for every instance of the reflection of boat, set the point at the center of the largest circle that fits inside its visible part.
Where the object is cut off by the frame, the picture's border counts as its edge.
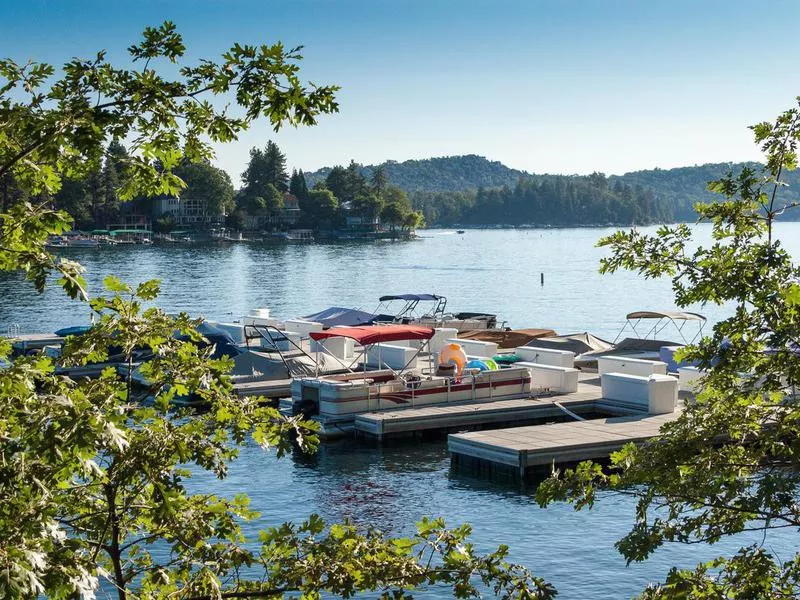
(338, 398)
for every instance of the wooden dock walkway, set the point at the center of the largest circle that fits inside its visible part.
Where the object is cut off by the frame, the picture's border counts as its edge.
(524, 449)
(499, 413)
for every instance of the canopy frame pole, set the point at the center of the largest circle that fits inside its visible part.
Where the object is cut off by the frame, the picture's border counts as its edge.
(416, 354)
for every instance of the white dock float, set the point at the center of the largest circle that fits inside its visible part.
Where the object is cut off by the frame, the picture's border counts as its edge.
(521, 449)
(562, 380)
(656, 394)
(392, 356)
(630, 366)
(546, 356)
(689, 378)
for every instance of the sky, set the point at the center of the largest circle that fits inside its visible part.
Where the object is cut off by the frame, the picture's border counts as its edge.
(556, 86)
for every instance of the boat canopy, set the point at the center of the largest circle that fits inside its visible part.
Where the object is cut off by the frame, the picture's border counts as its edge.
(412, 298)
(666, 314)
(374, 334)
(661, 319)
(337, 315)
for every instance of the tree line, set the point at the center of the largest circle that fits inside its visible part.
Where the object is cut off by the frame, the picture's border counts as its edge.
(550, 200)
(345, 194)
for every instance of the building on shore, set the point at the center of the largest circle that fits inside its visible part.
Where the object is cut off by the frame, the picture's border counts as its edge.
(187, 213)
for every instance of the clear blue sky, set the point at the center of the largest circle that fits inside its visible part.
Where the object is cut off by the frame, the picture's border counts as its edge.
(547, 86)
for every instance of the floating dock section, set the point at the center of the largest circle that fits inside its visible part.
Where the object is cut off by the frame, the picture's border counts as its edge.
(522, 450)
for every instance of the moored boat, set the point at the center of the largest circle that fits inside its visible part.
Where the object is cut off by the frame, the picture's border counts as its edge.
(341, 397)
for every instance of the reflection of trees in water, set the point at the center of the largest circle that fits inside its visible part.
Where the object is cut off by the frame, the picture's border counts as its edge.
(371, 484)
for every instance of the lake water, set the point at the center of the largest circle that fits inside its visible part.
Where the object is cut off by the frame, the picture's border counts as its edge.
(391, 487)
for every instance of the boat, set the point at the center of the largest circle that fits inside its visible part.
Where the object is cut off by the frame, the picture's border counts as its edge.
(645, 342)
(460, 231)
(429, 310)
(335, 400)
(71, 241)
(295, 235)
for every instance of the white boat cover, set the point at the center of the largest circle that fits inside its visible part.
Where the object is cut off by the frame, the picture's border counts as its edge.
(675, 315)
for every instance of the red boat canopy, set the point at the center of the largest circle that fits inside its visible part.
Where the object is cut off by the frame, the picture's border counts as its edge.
(373, 334)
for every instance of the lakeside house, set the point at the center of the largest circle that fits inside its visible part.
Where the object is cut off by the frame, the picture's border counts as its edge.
(188, 213)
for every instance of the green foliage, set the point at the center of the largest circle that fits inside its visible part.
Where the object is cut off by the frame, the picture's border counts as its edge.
(546, 200)
(297, 185)
(730, 462)
(264, 181)
(321, 205)
(443, 174)
(93, 482)
(207, 183)
(347, 183)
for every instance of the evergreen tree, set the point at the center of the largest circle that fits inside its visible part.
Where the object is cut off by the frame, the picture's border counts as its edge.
(110, 199)
(297, 185)
(379, 180)
(275, 167)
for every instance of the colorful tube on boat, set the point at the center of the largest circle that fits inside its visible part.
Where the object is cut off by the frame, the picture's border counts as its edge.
(453, 354)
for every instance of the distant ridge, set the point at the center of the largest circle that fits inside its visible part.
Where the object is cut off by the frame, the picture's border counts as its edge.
(680, 188)
(441, 174)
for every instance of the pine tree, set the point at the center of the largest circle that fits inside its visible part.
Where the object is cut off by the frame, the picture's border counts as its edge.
(275, 167)
(110, 187)
(298, 186)
(379, 180)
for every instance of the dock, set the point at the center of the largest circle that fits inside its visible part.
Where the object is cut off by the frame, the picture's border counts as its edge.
(528, 449)
(586, 401)
(525, 435)
(25, 343)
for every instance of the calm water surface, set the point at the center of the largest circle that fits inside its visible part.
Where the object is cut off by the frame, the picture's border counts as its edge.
(391, 487)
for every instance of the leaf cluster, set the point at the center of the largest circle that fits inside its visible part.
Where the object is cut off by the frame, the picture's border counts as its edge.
(731, 461)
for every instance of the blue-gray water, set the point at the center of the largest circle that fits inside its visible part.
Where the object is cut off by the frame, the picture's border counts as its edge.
(391, 487)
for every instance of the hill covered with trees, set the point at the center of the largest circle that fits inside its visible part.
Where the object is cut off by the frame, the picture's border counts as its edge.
(472, 190)
(682, 187)
(441, 174)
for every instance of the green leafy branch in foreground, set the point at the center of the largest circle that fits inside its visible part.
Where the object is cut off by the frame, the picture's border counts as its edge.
(730, 463)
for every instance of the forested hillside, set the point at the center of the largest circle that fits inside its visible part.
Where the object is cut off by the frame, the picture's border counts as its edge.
(473, 190)
(551, 200)
(684, 186)
(442, 174)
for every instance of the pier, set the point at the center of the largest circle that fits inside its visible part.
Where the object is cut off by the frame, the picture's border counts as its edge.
(500, 437)
(522, 450)
(407, 422)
